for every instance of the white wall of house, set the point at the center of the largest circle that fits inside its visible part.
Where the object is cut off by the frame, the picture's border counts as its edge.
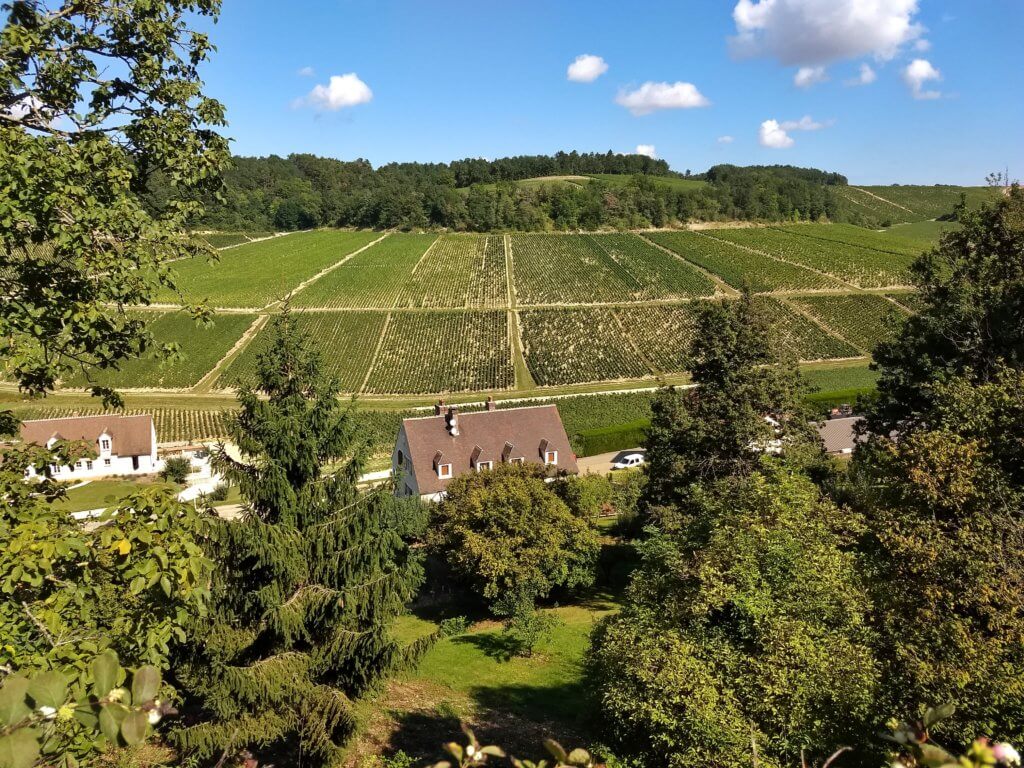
(401, 467)
(107, 463)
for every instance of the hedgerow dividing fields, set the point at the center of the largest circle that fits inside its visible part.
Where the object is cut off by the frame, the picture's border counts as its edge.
(424, 352)
(659, 274)
(371, 279)
(346, 341)
(257, 274)
(200, 349)
(739, 267)
(459, 271)
(863, 267)
(862, 319)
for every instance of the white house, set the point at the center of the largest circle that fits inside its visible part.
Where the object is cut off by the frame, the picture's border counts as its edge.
(431, 450)
(123, 445)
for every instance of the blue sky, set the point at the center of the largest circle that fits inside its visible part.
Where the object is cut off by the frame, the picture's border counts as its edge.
(479, 78)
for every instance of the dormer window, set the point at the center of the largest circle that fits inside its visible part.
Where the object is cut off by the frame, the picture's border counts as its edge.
(104, 443)
(483, 465)
(550, 457)
(444, 471)
(516, 460)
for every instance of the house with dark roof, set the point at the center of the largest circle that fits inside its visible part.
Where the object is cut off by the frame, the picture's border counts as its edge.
(123, 445)
(431, 450)
(839, 435)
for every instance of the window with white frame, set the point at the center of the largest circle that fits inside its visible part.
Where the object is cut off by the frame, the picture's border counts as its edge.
(88, 465)
(444, 471)
(516, 460)
(105, 444)
(106, 462)
(550, 457)
(482, 465)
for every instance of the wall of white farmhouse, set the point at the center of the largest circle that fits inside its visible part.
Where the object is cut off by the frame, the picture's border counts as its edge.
(405, 478)
(107, 466)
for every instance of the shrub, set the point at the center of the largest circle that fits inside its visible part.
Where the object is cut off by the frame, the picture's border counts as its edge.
(456, 625)
(219, 492)
(176, 469)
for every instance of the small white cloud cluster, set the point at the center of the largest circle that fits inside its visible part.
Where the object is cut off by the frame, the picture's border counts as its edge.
(805, 77)
(866, 76)
(306, 72)
(341, 91)
(919, 72)
(646, 149)
(651, 97)
(725, 139)
(586, 68)
(775, 135)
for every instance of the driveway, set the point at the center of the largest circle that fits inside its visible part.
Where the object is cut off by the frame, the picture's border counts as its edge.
(601, 464)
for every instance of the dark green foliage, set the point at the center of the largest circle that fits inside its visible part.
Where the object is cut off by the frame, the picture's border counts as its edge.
(719, 427)
(219, 492)
(508, 535)
(176, 469)
(970, 315)
(943, 504)
(95, 99)
(743, 626)
(310, 579)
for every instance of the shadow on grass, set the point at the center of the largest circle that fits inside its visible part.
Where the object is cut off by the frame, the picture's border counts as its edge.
(496, 645)
(515, 717)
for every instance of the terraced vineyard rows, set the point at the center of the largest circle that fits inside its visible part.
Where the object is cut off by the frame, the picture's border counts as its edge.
(346, 341)
(864, 267)
(803, 339)
(444, 352)
(659, 274)
(371, 279)
(459, 271)
(909, 300)
(257, 274)
(568, 269)
(571, 346)
(887, 242)
(862, 319)
(739, 267)
(200, 349)
(661, 334)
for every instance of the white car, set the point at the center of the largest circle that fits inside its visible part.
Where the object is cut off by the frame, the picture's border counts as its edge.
(629, 460)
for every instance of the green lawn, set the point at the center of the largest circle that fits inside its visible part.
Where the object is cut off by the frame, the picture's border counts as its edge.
(105, 493)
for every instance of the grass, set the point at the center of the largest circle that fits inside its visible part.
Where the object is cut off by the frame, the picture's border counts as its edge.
(105, 493)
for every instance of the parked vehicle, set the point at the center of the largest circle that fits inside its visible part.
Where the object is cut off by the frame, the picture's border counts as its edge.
(629, 460)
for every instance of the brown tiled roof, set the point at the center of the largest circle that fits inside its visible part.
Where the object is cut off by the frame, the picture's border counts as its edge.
(839, 435)
(488, 431)
(130, 435)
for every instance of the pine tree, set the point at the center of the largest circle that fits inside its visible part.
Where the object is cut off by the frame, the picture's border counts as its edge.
(310, 578)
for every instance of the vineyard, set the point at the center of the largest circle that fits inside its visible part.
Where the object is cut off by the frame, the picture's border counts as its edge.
(568, 269)
(659, 274)
(443, 351)
(862, 319)
(173, 425)
(200, 349)
(346, 342)
(373, 278)
(739, 267)
(661, 334)
(460, 271)
(256, 274)
(848, 234)
(863, 267)
(897, 203)
(801, 338)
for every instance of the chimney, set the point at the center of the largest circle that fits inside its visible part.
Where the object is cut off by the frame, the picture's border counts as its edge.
(452, 421)
(439, 408)
(506, 452)
(491, 405)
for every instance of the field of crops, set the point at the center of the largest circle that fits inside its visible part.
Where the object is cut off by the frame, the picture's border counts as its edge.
(567, 269)
(848, 234)
(257, 274)
(426, 352)
(346, 342)
(460, 271)
(660, 333)
(801, 338)
(200, 349)
(658, 274)
(373, 278)
(739, 267)
(571, 346)
(934, 201)
(863, 267)
(862, 319)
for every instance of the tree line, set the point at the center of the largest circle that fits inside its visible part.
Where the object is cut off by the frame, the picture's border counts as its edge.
(303, 191)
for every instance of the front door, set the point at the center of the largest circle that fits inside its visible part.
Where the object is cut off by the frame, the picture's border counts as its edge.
(135, 462)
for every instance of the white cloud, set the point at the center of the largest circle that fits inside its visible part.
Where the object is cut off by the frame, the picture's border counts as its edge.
(817, 32)
(725, 139)
(866, 77)
(919, 72)
(341, 91)
(772, 135)
(805, 77)
(645, 149)
(775, 135)
(586, 68)
(922, 45)
(650, 97)
(306, 72)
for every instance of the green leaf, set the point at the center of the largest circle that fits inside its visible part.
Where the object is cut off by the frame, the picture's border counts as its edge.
(935, 756)
(48, 689)
(937, 714)
(106, 672)
(145, 684)
(165, 585)
(133, 729)
(111, 717)
(579, 757)
(555, 750)
(12, 700)
(19, 749)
